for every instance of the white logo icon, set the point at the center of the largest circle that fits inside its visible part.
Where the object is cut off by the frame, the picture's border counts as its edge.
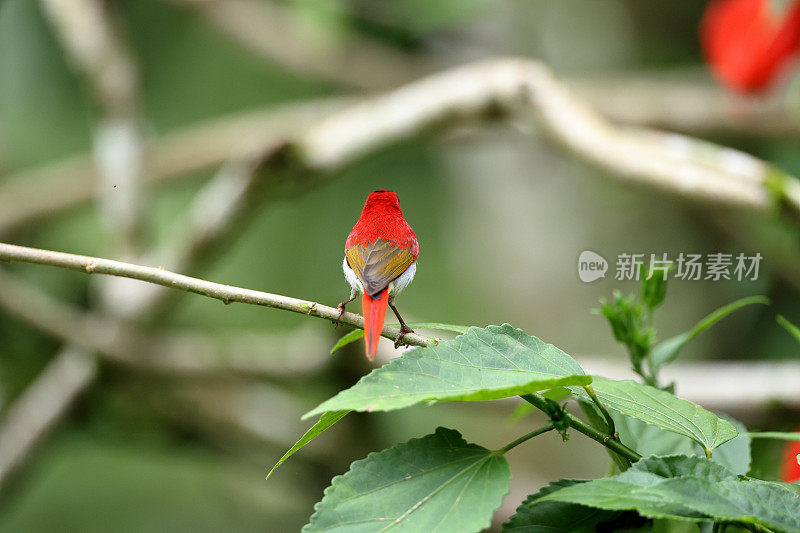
(591, 266)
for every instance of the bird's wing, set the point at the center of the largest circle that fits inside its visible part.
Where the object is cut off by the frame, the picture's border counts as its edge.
(376, 265)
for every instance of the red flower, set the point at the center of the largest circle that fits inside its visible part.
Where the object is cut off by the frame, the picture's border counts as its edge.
(747, 44)
(790, 470)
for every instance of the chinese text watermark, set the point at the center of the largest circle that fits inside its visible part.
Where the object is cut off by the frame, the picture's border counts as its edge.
(684, 266)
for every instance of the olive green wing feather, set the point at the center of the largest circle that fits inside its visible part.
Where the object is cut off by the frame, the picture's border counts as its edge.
(378, 264)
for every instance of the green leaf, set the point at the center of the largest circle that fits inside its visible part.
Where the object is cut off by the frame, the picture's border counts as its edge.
(324, 422)
(734, 454)
(553, 517)
(598, 421)
(692, 488)
(662, 409)
(483, 364)
(438, 483)
(777, 435)
(668, 350)
(653, 287)
(652, 440)
(629, 323)
(346, 339)
(357, 334)
(788, 326)
(520, 411)
(439, 327)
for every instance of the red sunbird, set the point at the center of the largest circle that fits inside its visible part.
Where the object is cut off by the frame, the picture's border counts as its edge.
(380, 260)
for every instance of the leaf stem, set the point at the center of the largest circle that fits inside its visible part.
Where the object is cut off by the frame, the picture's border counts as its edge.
(612, 431)
(539, 401)
(534, 433)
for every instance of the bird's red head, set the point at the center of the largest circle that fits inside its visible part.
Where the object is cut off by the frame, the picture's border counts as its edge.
(748, 43)
(382, 218)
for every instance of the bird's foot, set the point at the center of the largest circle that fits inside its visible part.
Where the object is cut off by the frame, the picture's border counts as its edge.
(340, 307)
(403, 330)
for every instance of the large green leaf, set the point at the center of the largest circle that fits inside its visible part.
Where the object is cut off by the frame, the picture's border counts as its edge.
(692, 488)
(668, 350)
(483, 364)
(357, 334)
(324, 422)
(438, 483)
(662, 409)
(533, 516)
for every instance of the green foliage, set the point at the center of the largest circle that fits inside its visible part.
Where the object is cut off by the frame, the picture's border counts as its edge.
(689, 488)
(666, 351)
(346, 339)
(533, 516)
(662, 409)
(652, 440)
(630, 324)
(436, 483)
(653, 288)
(704, 483)
(483, 364)
(324, 422)
(735, 454)
(793, 330)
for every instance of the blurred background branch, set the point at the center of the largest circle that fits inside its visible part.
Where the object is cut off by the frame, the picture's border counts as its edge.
(670, 162)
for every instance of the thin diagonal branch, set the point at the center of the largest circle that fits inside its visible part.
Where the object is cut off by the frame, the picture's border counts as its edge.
(226, 293)
(42, 405)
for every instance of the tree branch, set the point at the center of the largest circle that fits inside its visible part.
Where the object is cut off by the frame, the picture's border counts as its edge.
(527, 92)
(688, 101)
(226, 293)
(242, 136)
(683, 100)
(42, 405)
(91, 38)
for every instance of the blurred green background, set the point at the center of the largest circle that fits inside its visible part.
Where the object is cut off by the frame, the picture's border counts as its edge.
(501, 219)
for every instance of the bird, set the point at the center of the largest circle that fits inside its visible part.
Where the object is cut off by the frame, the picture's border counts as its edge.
(380, 260)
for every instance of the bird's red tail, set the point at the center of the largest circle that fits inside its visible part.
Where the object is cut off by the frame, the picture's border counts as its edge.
(374, 310)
